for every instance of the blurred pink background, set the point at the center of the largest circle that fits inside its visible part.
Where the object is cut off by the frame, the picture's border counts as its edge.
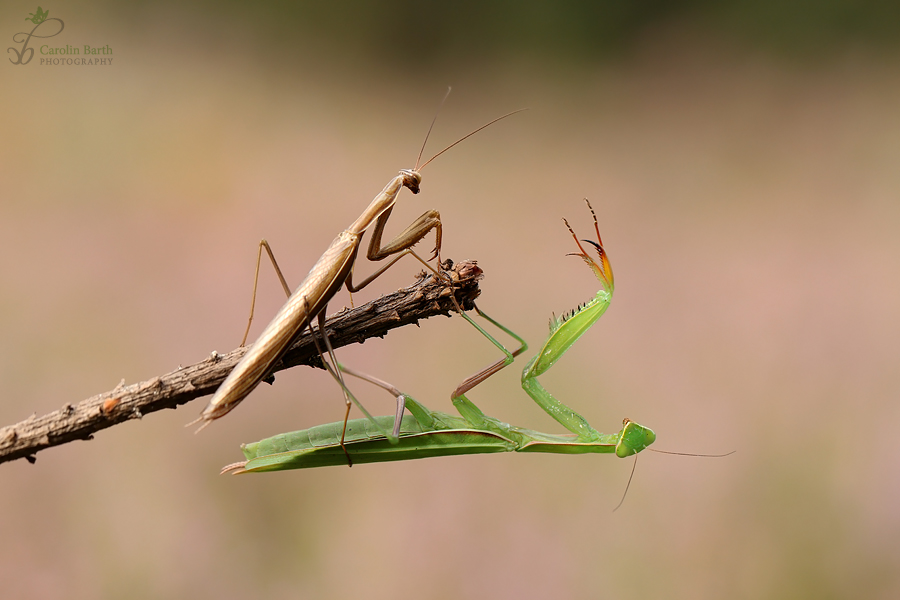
(749, 204)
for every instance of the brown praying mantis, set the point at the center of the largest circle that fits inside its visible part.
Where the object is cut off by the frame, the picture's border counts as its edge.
(333, 270)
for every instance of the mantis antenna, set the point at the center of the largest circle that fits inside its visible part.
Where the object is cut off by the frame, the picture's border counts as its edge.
(430, 127)
(467, 136)
(630, 477)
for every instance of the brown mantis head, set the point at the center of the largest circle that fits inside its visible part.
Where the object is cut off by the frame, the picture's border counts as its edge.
(411, 179)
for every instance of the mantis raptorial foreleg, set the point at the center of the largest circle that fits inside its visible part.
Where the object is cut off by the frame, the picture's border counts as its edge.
(426, 222)
(563, 333)
(402, 245)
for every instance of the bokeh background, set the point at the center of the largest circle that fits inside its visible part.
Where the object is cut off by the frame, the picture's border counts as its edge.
(743, 159)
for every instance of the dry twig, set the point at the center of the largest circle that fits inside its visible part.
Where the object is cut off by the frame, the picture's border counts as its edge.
(427, 298)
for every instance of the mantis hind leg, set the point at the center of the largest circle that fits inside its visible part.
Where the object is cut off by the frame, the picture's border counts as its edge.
(424, 416)
(335, 372)
(469, 411)
(287, 290)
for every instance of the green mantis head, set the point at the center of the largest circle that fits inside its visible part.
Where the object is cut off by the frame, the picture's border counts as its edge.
(633, 439)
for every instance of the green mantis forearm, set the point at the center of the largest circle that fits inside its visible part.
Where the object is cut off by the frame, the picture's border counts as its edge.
(564, 332)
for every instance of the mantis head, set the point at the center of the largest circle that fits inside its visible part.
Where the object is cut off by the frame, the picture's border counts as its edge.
(411, 179)
(633, 439)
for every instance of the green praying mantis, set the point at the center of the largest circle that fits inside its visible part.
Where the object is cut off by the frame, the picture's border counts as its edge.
(425, 433)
